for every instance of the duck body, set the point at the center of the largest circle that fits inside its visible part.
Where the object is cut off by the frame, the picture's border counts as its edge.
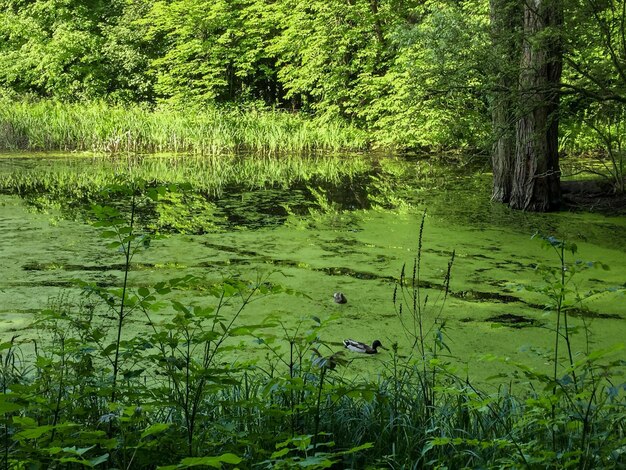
(339, 298)
(356, 346)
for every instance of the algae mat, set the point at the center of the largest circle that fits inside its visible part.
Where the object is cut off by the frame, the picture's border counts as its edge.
(338, 243)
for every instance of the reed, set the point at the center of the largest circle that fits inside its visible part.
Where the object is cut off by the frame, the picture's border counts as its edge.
(106, 128)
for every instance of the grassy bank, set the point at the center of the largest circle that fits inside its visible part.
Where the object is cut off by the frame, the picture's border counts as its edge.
(99, 127)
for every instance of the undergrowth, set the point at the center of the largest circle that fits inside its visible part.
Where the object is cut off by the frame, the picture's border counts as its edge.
(89, 394)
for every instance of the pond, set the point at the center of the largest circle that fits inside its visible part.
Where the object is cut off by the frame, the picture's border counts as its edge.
(314, 226)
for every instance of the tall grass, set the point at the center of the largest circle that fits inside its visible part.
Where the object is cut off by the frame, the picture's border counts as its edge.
(100, 127)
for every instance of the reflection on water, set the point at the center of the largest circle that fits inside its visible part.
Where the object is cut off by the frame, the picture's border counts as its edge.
(326, 224)
(248, 192)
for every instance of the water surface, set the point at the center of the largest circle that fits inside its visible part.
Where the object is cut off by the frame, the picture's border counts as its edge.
(315, 226)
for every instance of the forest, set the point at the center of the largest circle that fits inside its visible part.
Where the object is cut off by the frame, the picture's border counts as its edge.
(462, 75)
(189, 187)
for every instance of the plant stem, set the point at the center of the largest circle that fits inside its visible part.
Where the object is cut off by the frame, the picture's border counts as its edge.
(57, 407)
(318, 407)
(120, 318)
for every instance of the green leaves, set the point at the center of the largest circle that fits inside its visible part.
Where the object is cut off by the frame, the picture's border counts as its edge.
(8, 406)
(550, 241)
(213, 462)
(154, 429)
(75, 455)
(213, 51)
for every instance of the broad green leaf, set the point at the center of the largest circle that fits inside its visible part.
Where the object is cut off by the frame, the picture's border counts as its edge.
(77, 460)
(132, 374)
(24, 421)
(98, 460)
(367, 445)
(34, 433)
(8, 407)
(318, 461)
(77, 450)
(280, 453)
(154, 429)
(108, 234)
(153, 194)
(215, 462)
(228, 289)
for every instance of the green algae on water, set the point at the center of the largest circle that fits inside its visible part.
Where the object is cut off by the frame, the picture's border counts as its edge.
(318, 227)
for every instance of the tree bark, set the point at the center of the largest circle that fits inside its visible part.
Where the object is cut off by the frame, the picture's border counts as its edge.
(505, 18)
(536, 175)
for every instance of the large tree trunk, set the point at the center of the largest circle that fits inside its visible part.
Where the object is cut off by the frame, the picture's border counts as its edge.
(506, 16)
(503, 151)
(536, 176)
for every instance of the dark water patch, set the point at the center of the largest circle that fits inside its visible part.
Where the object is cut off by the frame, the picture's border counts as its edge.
(478, 296)
(245, 258)
(255, 209)
(335, 251)
(348, 194)
(492, 248)
(424, 284)
(593, 196)
(479, 256)
(343, 246)
(228, 262)
(514, 267)
(364, 275)
(577, 312)
(434, 251)
(346, 241)
(67, 284)
(20, 311)
(586, 313)
(368, 276)
(290, 263)
(82, 267)
(50, 283)
(518, 264)
(287, 263)
(512, 320)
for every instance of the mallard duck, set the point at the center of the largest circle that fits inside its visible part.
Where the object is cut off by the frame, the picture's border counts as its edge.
(339, 298)
(362, 347)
